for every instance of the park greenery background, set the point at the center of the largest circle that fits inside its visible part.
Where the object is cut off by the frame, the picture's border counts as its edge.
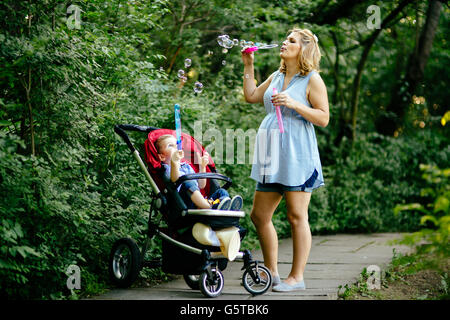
(70, 188)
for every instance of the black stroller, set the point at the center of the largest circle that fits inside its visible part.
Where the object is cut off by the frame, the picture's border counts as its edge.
(182, 254)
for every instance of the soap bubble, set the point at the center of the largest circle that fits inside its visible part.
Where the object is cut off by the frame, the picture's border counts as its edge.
(221, 39)
(180, 73)
(187, 63)
(242, 43)
(183, 78)
(224, 62)
(224, 50)
(198, 87)
(225, 41)
(235, 42)
(228, 43)
(247, 76)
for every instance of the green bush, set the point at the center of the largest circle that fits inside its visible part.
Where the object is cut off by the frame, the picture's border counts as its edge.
(435, 210)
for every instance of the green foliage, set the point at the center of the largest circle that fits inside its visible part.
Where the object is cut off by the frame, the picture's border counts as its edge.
(435, 210)
(67, 201)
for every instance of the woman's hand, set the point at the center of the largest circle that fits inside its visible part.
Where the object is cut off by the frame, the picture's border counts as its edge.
(247, 58)
(283, 99)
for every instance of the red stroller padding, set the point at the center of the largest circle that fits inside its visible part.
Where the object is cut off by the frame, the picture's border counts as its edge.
(190, 147)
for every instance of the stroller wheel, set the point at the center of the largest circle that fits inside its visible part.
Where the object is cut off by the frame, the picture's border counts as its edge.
(124, 262)
(257, 280)
(211, 286)
(192, 281)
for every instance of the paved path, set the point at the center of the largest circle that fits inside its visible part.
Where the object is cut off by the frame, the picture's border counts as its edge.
(334, 260)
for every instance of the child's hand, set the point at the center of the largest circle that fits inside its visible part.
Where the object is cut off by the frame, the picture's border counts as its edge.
(203, 160)
(177, 156)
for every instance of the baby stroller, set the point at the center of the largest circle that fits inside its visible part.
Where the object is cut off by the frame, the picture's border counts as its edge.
(182, 253)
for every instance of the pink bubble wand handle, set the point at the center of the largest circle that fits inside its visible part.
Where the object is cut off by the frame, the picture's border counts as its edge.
(256, 48)
(251, 49)
(278, 112)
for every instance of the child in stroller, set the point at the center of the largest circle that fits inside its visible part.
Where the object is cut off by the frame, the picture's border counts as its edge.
(171, 158)
(187, 237)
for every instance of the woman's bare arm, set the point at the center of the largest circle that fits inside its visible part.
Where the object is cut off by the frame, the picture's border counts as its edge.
(252, 93)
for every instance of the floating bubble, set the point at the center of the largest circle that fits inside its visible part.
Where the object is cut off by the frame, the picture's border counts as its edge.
(198, 87)
(180, 73)
(247, 76)
(224, 50)
(225, 41)
(228, 43)
(183, 78)
(224, 62)
(187, 63)
(221, 39)
(210, 53)
(235, 42)
(242, 43)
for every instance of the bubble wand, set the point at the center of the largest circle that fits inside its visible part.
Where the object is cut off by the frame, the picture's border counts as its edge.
(256, 48)
(178, 125)
(278, 112)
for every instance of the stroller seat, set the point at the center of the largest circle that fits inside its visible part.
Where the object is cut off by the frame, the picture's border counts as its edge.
(210, 227)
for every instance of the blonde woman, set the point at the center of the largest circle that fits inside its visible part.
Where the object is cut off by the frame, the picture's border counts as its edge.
(288, 163)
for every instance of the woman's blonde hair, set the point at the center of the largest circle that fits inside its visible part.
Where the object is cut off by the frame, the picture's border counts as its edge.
(309, 57)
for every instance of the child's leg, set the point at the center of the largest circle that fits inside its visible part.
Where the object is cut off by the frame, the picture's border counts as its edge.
(219, 194)
(192, 196)
(199, 201)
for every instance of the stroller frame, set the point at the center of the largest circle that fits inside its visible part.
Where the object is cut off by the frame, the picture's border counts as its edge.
(126, 259)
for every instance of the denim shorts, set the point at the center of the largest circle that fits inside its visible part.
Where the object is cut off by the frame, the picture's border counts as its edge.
(280, 188)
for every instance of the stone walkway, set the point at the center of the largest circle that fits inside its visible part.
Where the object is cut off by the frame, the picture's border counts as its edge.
(334, 260)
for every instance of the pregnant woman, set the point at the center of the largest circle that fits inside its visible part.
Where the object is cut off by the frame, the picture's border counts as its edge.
(287, 161)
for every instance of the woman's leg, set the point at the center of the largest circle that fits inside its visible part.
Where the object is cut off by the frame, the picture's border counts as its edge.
(297, 203)
(264, 205)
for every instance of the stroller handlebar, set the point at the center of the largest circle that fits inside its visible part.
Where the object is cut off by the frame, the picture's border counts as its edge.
(121, 128)
(206, 175)
(135, 127)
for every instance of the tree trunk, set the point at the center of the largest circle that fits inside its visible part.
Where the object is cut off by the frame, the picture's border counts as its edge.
(403, 91)
(30, 112)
